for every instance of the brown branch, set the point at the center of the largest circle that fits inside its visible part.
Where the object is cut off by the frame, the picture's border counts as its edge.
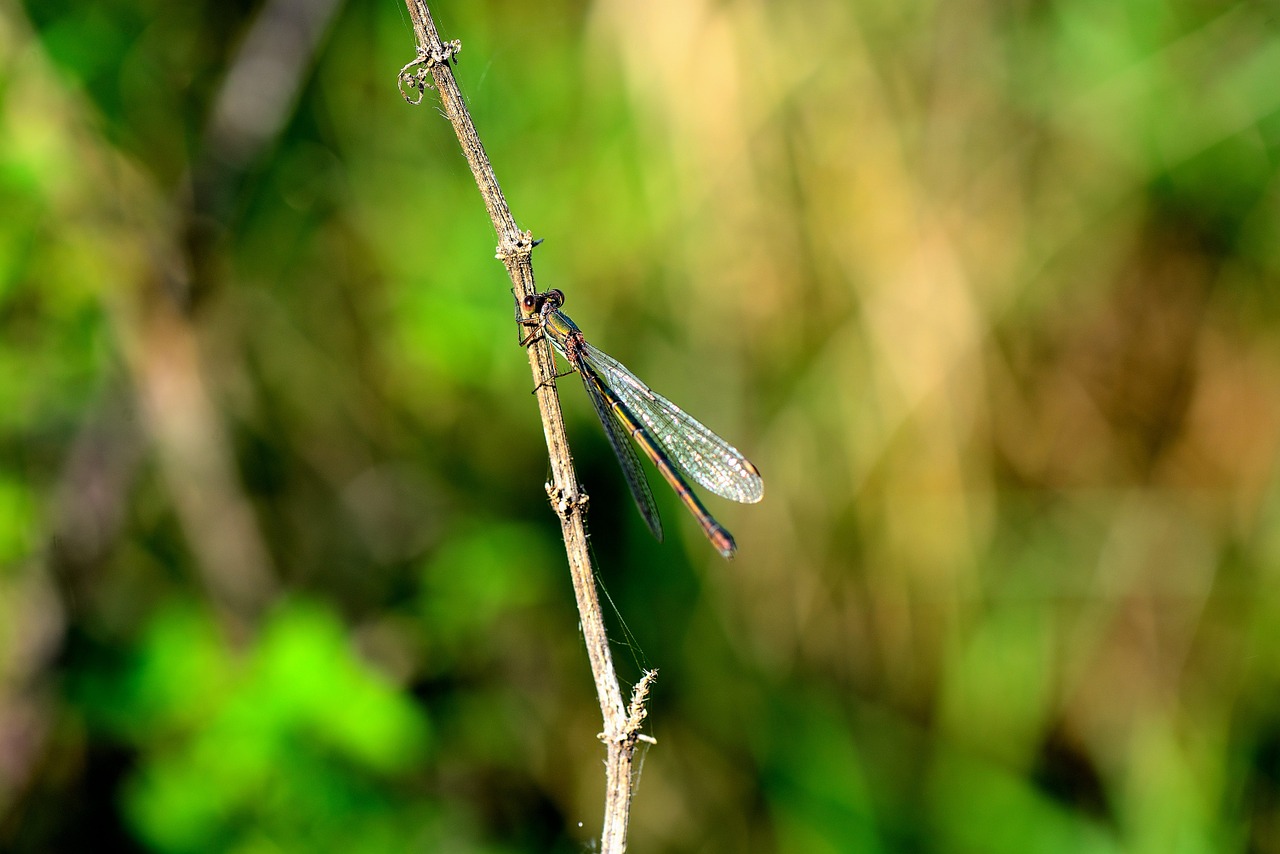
(621, 724)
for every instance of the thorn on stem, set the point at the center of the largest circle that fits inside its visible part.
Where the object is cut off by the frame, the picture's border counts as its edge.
(636, 712)
(417, 74)
(562, 502)
(514, 247)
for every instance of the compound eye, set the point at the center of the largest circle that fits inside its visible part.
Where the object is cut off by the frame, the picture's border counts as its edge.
(529, 303)
(555, 296)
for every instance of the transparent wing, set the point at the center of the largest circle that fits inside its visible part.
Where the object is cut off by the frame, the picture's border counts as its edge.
(626, 455)
(703, 455)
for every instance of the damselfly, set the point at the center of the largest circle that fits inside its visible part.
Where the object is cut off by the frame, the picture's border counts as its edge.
(672, 439)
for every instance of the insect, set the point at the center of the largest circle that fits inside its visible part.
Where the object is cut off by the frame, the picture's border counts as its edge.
(673, 440)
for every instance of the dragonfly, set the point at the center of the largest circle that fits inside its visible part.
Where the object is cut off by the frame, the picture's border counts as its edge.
(673, 440)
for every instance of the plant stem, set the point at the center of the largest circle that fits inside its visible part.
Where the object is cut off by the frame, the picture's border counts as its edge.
(621, 723)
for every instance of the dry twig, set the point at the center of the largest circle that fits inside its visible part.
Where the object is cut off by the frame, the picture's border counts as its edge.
(621, 723)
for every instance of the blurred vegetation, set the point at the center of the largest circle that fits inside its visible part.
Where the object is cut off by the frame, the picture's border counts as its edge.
(990, 292)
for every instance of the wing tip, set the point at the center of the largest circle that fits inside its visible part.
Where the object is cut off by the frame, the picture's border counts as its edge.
(757, 493)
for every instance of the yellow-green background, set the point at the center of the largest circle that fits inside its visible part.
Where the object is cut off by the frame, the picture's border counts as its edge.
(990, 292)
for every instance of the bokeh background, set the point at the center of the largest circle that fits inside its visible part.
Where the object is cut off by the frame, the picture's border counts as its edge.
(989, 291)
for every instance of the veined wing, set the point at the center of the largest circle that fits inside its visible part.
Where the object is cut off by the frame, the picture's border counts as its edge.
(625, 453)
(701, 454)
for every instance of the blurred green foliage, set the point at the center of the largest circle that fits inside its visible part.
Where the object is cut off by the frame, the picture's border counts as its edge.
(990, 292)
(288, 742)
